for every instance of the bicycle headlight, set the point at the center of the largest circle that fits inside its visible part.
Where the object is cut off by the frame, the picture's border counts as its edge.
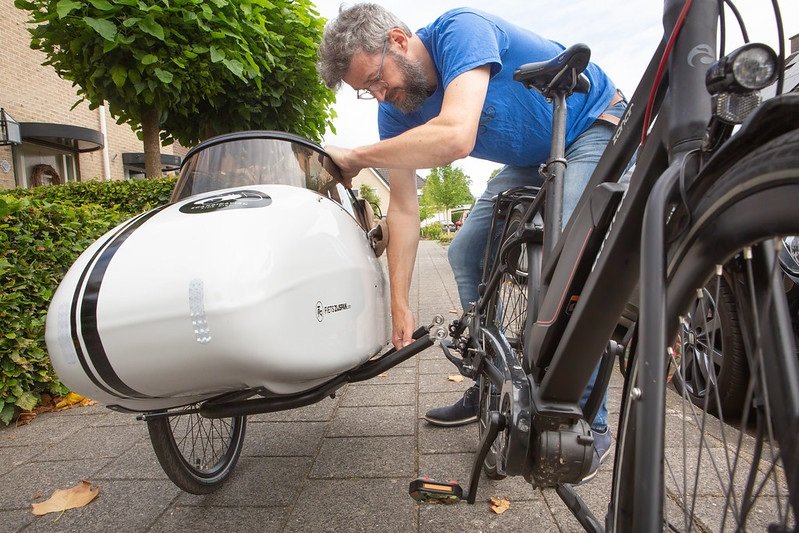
(735, 80)
(749, 68)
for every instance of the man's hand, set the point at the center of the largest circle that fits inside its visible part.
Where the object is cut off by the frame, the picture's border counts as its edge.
(343, 157)
(403, 325)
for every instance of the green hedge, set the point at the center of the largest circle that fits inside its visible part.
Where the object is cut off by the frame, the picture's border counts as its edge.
(42, 232)
(130, 197)
(432, 231)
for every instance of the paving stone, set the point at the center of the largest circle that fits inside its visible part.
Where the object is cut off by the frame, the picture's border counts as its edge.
(433, 439)
(15, 520)
(139, 462)
(366, 457)
(283, 439)
(374, 421)
(440, 366)
(45, 429)
(111, 418)
(354, 505)
(520, 516)
(121, 505)
(34, 482)
(105, 441)
(257, 482)
(212, 518)
(369, 395)
(441, 383)
(12, 457)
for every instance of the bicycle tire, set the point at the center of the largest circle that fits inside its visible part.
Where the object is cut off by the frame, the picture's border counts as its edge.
(753, 201)
(508, 313)
(186, 460)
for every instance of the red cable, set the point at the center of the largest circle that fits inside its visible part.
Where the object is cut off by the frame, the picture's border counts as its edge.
(666, 53)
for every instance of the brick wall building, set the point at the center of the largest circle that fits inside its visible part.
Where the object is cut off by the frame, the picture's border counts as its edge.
(74, 142)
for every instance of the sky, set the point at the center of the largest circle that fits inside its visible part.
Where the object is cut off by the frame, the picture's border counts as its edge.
(622, 37)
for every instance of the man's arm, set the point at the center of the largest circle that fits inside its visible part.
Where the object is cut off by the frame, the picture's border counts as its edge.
(440, 141)
(403, 224)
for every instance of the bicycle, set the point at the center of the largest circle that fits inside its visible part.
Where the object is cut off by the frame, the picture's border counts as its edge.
(551, 305)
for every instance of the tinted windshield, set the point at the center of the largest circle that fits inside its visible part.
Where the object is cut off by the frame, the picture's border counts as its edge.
(257, 161)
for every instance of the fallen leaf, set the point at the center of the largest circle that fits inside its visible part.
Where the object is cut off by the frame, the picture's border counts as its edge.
(383, 375)
(63, 499)
(457, 378)
(26, 417)
(72, 399)
(499, 505)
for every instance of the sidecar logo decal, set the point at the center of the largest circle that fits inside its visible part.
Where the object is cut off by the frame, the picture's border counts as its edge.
(322, 310)
(227, 201)
(199, 321)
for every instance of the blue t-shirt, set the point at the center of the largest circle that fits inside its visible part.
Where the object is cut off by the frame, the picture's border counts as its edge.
(516, 123)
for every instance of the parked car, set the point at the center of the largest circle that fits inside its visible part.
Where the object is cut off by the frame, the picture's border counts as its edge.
(713, 357)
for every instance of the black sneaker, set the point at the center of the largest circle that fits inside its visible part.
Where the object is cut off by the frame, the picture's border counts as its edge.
(464, 411)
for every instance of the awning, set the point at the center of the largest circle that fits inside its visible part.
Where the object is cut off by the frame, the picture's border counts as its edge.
(135, 161)
(61, 136)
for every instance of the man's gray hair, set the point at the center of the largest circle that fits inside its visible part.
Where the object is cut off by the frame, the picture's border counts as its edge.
(360, 27)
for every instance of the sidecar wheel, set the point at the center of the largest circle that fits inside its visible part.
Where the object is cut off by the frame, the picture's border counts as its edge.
(198, 454)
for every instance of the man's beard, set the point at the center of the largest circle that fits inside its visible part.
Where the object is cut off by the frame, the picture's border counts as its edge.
(414, 85)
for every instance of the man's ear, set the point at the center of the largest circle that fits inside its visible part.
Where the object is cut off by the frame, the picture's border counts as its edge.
(398, 37)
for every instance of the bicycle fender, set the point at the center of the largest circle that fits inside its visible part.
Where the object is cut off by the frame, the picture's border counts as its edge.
(773, 118)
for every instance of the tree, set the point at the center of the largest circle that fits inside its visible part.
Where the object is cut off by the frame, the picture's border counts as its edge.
(190, 67)
(370, 195)
(494, 173)
(446, 187)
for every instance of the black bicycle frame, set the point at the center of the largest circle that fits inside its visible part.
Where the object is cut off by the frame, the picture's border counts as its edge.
(586, 311)
(571, 360)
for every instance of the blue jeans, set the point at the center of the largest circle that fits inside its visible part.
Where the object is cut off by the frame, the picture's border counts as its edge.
(467, 250)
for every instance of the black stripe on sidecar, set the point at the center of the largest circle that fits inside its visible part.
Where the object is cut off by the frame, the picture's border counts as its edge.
(95, 270)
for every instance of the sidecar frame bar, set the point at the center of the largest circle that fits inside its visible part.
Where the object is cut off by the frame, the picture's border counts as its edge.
(223, 407)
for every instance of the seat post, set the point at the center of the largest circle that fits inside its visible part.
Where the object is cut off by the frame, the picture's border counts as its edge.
(554, 171)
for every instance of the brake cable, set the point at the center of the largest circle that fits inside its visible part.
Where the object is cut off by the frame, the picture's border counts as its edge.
(662, 67)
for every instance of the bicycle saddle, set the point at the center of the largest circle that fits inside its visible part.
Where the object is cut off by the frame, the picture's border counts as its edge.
(562, 73)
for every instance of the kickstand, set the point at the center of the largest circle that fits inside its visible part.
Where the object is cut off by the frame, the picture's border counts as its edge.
(496, 423)
(578, 508)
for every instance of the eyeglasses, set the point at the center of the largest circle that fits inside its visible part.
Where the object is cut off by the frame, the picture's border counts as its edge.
(378, 84)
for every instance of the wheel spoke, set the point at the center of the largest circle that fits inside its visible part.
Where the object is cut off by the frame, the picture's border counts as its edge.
(723, 460)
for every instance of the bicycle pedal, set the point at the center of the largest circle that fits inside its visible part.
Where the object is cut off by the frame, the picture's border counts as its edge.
(426, 490)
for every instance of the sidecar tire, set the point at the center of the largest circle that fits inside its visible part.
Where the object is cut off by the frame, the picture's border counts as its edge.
(225, 435)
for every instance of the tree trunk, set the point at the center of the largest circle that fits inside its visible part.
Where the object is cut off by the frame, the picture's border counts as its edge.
(151, 131)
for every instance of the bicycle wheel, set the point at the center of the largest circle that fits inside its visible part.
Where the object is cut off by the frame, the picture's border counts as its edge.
(198, 454)
(718, 475)
(508, 307)
(507, 313)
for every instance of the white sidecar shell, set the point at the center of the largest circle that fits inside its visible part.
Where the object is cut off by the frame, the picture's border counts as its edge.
(271, 286)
